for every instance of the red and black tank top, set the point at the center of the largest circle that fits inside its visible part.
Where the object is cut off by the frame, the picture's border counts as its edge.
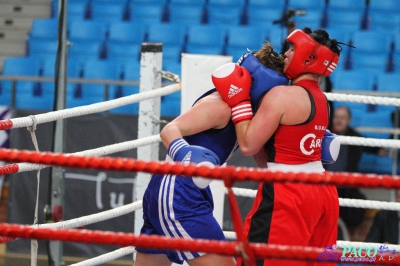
(301, 143)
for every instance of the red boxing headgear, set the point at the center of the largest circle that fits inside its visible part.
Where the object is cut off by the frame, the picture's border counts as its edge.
(309, 56)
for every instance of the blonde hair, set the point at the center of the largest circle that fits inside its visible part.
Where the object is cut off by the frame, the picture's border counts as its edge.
(269, 58)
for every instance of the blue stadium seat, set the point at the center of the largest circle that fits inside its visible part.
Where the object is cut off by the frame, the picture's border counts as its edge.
(172, 66)
(313, 19)
(384, 6)
(88, 38)
(47, 66)
(347, 14)
(38, 47)
(225, 3)
(354, 80)
(397, 62)
(259, 16)
(225, 12)
(372, 41)
(45, 28)
(34, 96)
(127, 72)
(167, 33)
(266, 4)
(171, 105)
(309, 13)
(126, 32)
(25, 66)
(110, 1)
(117, 51)
(350, 20)
(80, 95)
(87, 30)
(384, 165)
(345, 5)
(237, 45)
(161, 2)
(396, 42)
(186, 14)
(224, 15)
(87, 50)
(205, 39)
(373, 163)
(198, 3)
(171, 35)
(377, 119)
(125, 37)
(388, 82)
(367, 163)
(369, 61)
(146, 13)
(84, 94)
(307, 5)
(384, 22)
(109, 11)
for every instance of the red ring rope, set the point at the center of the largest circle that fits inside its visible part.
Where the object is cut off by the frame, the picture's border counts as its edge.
(6, 124)
(228, 173)
(269, 251)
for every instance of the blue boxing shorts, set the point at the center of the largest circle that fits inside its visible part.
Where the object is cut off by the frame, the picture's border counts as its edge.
(174, 206)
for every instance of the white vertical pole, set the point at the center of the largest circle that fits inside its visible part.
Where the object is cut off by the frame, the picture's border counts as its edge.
(149, 116)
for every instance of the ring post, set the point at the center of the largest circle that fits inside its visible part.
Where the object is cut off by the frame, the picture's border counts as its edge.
(149, 117)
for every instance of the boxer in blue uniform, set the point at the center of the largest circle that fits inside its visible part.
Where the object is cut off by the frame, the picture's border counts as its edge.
(182, 207)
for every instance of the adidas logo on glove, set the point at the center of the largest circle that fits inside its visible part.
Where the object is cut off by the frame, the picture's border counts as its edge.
(233, 80)
(233, 90)
(187, 158)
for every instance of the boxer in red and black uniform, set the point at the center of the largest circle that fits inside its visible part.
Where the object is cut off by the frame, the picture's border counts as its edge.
(288, 128)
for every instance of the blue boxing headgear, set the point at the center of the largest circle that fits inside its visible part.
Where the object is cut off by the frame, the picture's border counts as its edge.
(263, 78)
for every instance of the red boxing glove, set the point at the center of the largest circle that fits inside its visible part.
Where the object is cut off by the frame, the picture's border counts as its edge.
(233, 83)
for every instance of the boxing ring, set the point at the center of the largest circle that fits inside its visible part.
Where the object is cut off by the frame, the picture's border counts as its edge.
(145, 165)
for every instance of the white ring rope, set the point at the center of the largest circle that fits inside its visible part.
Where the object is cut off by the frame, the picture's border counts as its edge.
(94, 108)
(113, 255)
(342, 97)
(95, 218)
(344, 202)
(230, 235)
(109, 149)
(369, 204)
(370, 142)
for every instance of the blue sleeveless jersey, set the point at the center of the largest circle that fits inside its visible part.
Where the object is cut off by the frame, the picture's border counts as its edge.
(220, 141)
(174, 206)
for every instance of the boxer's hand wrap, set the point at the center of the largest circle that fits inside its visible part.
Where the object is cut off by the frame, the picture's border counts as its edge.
(233, 83)
(330, 148)
(180, 151)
